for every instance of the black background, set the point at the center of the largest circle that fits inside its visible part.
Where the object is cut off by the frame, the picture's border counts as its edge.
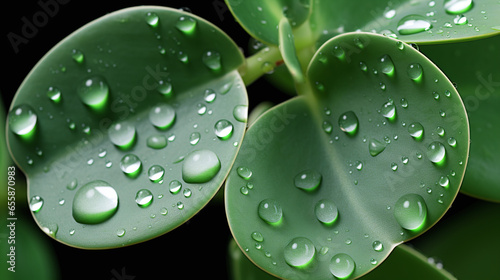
(195, 250)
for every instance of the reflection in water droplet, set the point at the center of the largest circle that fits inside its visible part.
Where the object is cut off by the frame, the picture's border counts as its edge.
(200, 166)
(410, 212)
(413, 24)
(308, 180)
(122, 134)
(36, 203)
(162, 116)
(342, 266)
(144, 198)
(326, 211)
(223, 129)
(94, 92)
(456, 7)
(375, 147)
(95, 202)
(22, 120)
(270, 211)
(299, 252)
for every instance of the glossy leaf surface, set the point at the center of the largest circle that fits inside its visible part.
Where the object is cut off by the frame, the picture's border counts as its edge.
(327, 181)
(129, 126)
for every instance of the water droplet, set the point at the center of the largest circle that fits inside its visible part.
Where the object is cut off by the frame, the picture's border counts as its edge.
(299, 252)
(377, 246)
(363, 66)
(388, 110)
(162, 116)
(165, 88)
(257, 236)
(415, 71)
(436, 152)
(156, 142)
(394, 166)
(223, 129)
(413, 24)
(50, 229)
(164, 211)
(156, 173)
(338, 52)
(444, 181)
(94, 92)
(200, 166)
(326, 211)
(244, 172)
(36, 203)
(95, 202)
(122, 134)
(410, 211)
(270, 211)
(212, 60)
(373, 261)
(130, 164)
(175, 187)
(244, 190)
(460, 20)
(359, 165)
(327, 127)
(187, 193)
(375, 147)
(120, 232)
(389, 14)
(22, 119)
(308, 180)
(72, 184)
(194, 138)
(143, 198)
(77, 56)
(386, 65)
(319, 86)
(54, 94)
(183, 57)
(186, 24)
(348, 123)
(456, 7)
(405, 160)
(152, 19)
(342, 266)
(180, 205)
(400, 45)
(416, 130)
(452, 142)
(240, 113)
(201, 109)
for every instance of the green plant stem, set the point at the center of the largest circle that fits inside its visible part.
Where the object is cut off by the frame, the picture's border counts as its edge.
(260, 63)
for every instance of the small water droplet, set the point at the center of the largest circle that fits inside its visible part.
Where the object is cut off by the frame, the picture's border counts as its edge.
(452, 142)
(131, 165)
(389, 13)
(94, 92)
(54, 94)
(244, 172)
(175, 187)
(165, 88)
(144, 198)
(405, 160)
(410, 211)
(95, 202)
(338, 52)
(342, 265)
(444, 181)
(257, 236)
(326, 211)
(155, 173)
(186, 24)
(152, 19)
(187, 193)
(299, 252)
(122, 134)
(194, 138)
(377, 246)
(212, 60)
(209, 95)
(363, 66)
(200, 166)
(440, 131)
(120, 232)
(460, 20)
(201, 109)
(22, 119)
(180, 205)
(386, 65)
(375, 147)
(162, 116)
(77, 56)
(72, 184)
(394, 166)
(348, 123)
(164, 211)
(415, 71)
(270, 211)
(400, 45)
(359, 165)
(240, 113)
(388, 110)
(456, 7)
(308, 180)
(436, 152)
(327, 127)
(223, 129)
(416, 130)
(413, 24)
(156, 141)
(36, 203)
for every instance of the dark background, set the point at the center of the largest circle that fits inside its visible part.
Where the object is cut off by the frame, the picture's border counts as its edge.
(195, 250)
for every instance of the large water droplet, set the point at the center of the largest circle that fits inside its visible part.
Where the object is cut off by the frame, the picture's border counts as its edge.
(299, 252)
(410, 211)
(342, 266)
(415, 71)
(122, 134)
(223, 129)
(152, 19)
(270, 211)
(257, 236)
(416, 130)
(436, 152)
(386, 65)
(375, 147)
(326, 211)
(156, 142)
(456, 7)
(162, 116)
(212, 60)
(94, 92)
(413, 24)
(240, 113)
(200, 166)
(348, 122)
(36, 203)
(308, 180)
(22, 119)
(156, 173)
(131, 165)
(186, 24)
(144, 198)
(95, 202)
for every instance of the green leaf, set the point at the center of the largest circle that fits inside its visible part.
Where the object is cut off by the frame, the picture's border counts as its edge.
(425, 22)
(129, 126)
(261, 18)
(287, 48)
(336, 171)
(466, 243)
(473, 66)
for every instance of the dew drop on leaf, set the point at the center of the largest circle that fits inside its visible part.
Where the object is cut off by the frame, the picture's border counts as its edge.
(270, 211)
(413, 24)
(36, 203)
(94, 92)
(308, 180)
(410, 211)
(95, 202)
(200, 166)
(162, 116)
(22, 119)
(122, 134)
(348, 123)
(144, 198)
(299, 252)
(342, 265)
(326, 211)
(456, 7)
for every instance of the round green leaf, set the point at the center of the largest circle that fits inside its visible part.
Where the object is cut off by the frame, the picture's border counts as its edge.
(261, 18)
(287, 48)
(333, 179)
(129, 126)
(478, 81)
(412, 21)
